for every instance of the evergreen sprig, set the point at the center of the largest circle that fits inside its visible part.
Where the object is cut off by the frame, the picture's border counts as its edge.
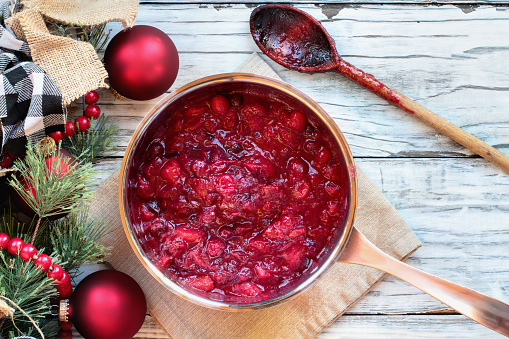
(96, 35)
(31, 290)
(75, 240)
(95, 142)
(52, 187)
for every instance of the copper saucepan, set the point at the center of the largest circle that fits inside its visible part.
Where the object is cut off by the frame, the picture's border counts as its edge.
(349, 245)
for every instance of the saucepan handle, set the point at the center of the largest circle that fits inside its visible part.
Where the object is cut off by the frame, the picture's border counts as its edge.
(485, 310)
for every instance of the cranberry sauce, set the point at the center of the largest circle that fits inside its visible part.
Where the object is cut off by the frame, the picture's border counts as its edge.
(236, 195)
(291, 38)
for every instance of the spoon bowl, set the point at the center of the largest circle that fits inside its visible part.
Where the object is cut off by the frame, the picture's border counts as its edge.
(293, 39)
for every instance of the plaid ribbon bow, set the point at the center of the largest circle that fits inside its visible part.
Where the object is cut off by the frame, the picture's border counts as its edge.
(30, 101)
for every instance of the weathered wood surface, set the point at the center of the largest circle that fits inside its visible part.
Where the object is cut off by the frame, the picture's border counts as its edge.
(453, 60)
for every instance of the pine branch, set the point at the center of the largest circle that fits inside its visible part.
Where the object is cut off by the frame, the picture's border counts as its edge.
(52, 189)
(95, 35)
(75, 240)
(31, 290)
(95, 142)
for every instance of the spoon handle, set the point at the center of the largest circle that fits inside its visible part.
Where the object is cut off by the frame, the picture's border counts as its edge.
(485, 310)
(433, 120)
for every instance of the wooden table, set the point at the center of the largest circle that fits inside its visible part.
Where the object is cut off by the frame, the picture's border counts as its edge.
(451, 58)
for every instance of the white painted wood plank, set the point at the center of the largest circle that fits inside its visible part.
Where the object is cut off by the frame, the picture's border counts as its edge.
(376, 327)
(452, 62)
(415, 326)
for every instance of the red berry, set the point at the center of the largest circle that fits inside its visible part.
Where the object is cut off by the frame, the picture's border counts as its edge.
(4, 240)
(65, 281)
(64, 292)
(7, 161)
(82, 123)
(70, 129)
(57, 136)
(92, 111)
(43, 262)
(27, 252)
(322, 157)
(15, 245)
(91, 97)
(55, 272)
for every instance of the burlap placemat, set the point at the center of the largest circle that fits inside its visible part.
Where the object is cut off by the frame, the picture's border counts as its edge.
(304, 316)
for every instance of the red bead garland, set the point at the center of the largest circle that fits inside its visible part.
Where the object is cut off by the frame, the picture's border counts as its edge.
(28, 252)
(61, 278)
(81, 123)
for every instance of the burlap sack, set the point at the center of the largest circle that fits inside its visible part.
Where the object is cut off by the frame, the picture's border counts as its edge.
(73, 65)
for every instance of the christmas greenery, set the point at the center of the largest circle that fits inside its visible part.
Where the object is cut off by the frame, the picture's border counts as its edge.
(75, 240)
(95, 142)
(54, 185)
(31, 290)
(96, 35)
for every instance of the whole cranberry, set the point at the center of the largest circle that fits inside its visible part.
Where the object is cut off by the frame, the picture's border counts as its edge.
(82, 123)
(92, 111)
(91, 97)
(70, 129)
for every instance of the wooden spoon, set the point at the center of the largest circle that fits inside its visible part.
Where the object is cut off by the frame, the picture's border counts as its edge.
(298, 41)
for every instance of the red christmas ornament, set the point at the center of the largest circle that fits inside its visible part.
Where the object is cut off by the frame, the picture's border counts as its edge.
(142, 62)
(6, 161)
(106, 304)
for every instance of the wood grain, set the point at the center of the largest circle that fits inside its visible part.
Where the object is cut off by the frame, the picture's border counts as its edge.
(444, 58)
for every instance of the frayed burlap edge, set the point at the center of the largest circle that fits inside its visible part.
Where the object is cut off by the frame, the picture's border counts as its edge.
(86, 12)
(73, 65)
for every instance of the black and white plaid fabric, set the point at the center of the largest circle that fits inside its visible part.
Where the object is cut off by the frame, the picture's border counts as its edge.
(30, 101)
